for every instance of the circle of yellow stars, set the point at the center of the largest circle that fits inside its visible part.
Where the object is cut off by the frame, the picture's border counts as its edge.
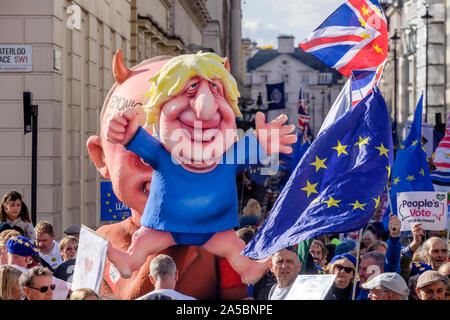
(341, 149)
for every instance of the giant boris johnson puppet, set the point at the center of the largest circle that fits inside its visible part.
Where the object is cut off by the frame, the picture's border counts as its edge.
(195, 155)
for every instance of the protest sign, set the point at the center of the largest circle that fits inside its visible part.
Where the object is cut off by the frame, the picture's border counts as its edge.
(311, 287)
(90, 260)
(428, 208)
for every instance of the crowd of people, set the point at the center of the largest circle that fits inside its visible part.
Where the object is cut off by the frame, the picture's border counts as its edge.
(387, 265)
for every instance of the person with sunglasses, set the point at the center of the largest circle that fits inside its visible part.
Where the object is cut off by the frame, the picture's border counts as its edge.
(343, 266)
(37, 284)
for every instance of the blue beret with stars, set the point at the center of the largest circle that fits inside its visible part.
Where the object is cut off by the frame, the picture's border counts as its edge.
(419, 268)
(21, 246)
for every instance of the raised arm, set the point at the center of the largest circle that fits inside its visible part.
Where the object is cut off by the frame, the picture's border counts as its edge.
(122, 127)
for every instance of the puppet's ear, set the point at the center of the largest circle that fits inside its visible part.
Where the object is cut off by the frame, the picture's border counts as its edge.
(120, 71)
(227, 65)
(95, 149)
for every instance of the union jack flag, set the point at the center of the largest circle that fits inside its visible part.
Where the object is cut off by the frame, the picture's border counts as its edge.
(354, 37)
(303, 117)
(363, 82)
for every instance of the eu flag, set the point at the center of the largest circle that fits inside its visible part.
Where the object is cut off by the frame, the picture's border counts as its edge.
(254, 171)
(410, 171)
(275, 96)
(337, 184)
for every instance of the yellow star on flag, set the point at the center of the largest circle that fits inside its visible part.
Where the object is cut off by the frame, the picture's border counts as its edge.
(411, 178)
(310, 188)
(19, 241)
(365, 35)
(378, 49)
(383, 150)
(26, 244)
(319, 163)
(362, 141)
(365, 10)
(402, 147)
(378, 11)
(396, 180)
(340, 148)
(377, 201)
(422, 172)
(414, 143)
(363, 23)
(332, 202)
(389, 170)
(357, 205)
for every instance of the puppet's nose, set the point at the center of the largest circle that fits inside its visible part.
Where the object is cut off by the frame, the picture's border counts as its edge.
(204, 103)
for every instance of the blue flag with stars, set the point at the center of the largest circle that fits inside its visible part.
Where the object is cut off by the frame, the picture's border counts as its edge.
(410, 171)
(337, 184)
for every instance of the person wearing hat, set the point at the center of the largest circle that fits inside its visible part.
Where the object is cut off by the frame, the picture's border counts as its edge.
(73, 231)
(343, 266)
(20, 250)
(432, 285)
(387, 286)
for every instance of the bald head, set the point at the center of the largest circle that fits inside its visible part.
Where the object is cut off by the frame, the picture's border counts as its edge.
(435, 250)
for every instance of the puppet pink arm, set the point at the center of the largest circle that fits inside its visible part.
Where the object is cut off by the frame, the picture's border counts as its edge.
(122, 127)
(274, 136)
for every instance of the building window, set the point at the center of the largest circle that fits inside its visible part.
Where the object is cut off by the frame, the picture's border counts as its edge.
(305, 78)
(264, 77)
(324, 78)
(286, 97)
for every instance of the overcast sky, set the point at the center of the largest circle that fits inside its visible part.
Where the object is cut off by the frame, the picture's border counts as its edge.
(264, 20)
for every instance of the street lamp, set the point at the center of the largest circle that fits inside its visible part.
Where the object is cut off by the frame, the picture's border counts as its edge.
(395, 37)
(323, 103)
(313, 112)
(426, 17)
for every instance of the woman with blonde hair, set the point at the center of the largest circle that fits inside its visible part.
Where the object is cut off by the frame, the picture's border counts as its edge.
(9, 283)
(84, 294)
(251, 214)
(68, 247)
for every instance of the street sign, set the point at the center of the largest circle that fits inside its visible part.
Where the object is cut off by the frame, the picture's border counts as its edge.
(16, 58)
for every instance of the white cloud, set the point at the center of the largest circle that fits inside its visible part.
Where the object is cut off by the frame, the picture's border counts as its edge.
(266, 19)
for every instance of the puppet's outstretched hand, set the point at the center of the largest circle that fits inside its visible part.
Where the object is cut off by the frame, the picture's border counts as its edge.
(274, 136)
(122, 127)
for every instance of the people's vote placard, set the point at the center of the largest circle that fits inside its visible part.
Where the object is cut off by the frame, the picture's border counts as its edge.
(90, 260)
(426, 207)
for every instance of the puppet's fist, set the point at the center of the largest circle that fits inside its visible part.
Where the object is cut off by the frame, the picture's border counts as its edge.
(122, 127)
(274, 136)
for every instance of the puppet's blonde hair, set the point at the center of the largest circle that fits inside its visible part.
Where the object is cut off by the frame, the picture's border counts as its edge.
(173, 76)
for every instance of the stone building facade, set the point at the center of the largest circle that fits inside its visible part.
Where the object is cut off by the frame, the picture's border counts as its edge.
(405, 18)
(297, 69)
(72, 44)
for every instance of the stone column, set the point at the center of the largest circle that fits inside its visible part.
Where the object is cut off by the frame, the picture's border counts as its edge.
(235, 58)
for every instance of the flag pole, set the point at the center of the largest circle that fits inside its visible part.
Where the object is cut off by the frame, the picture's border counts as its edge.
(357, 263)
(360, 230)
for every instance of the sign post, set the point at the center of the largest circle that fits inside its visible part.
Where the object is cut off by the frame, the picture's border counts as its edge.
(30, 124)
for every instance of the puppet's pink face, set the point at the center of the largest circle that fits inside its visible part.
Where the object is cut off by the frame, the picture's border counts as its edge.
(198, 125)
(130, 175)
